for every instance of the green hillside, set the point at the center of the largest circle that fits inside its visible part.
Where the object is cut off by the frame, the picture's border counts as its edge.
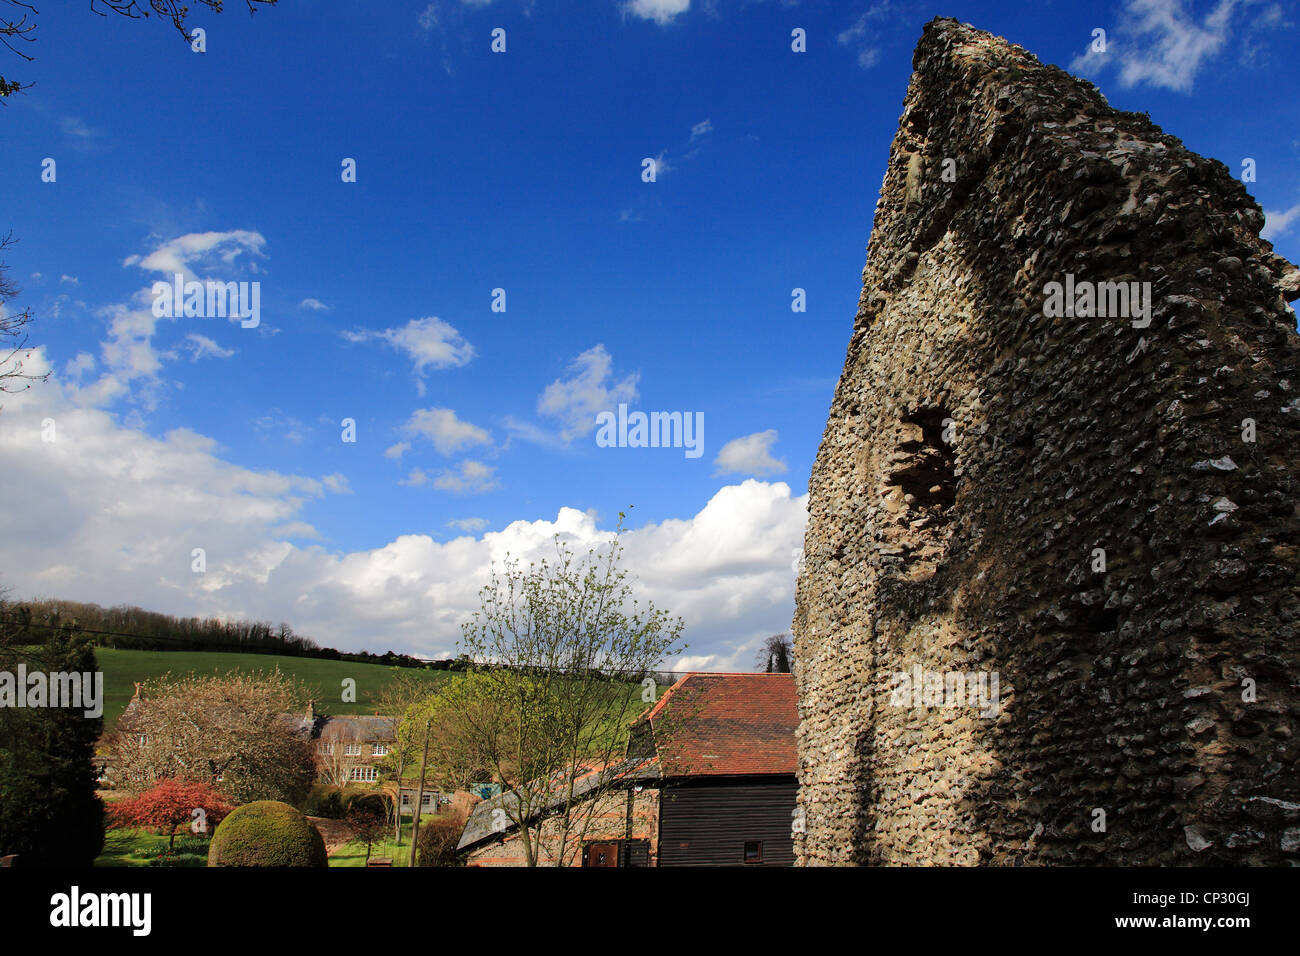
(324, 678)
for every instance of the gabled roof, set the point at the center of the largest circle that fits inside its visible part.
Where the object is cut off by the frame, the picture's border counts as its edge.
(724, 725)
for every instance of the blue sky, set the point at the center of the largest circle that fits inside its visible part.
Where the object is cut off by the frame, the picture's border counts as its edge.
(476, 171)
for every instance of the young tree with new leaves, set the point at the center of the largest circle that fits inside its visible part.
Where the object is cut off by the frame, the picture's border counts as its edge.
(561, 648)
(397, 697)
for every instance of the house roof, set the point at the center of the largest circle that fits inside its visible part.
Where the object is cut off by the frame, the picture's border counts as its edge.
(367, 728)
(725, 725)
(483, 824)
(363, 728)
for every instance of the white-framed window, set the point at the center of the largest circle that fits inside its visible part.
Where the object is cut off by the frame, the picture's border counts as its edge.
(325, 747)
(365, 774)
(380, 750)
(406, 799)
(352, 750)
(425, 798)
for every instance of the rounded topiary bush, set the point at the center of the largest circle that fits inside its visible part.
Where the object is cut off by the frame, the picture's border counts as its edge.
(267, 833)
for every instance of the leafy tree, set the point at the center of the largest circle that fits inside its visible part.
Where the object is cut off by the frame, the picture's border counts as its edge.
(50, 814)
(169, 805)
(223, 730)
(368, 824)
(397, 697)
(776, 655)
(438, 839)
(561, 648)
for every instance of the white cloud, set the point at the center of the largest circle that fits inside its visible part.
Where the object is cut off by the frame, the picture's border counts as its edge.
(1159, 42)
(661, 12)
(415, 478)
(75, 368)
(470, 525)
(70, 280)
(316, 305)
(448, 433)
(119, 513)
(576, 401)
(428, 18)
(131, 364)
(700, 129)
(73, 126)
(177, 254)
(662, 166)
(337, 483)
(1278, 222)
(428, 342)
(398, 450)
(750, 455)
(472, 477)
(200, 346)
(527, 431)
(856, 33)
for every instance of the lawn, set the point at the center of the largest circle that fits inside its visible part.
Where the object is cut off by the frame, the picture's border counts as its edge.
(125, 847)
(354, 854)
(324, 678)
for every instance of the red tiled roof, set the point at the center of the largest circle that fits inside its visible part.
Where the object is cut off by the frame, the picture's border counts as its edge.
(726, 724)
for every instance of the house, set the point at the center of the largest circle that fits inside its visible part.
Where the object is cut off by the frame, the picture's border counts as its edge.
(348, 748)
(708, 780)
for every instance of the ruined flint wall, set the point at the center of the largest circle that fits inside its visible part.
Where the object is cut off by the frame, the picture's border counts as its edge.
(978, 457)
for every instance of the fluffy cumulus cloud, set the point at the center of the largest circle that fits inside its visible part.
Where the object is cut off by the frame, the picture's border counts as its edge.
(661, 12)
(590, 388)
(1162, 42)
(469, 477)
(120, 513)
(750, 455)
(131, 364)
(428, 342)
(447, 433)
(1278, 222)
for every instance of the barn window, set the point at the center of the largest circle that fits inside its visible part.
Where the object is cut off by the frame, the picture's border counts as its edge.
(754, 851)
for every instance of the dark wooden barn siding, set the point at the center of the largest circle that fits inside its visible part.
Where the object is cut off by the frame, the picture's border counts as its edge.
(708, 824)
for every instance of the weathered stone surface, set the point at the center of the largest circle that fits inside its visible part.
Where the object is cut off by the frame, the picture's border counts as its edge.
(979, 458)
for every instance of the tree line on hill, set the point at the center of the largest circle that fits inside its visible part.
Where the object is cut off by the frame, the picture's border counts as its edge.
(133, 628)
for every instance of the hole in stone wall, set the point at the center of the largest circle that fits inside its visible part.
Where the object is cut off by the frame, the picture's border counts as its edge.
(920, 491)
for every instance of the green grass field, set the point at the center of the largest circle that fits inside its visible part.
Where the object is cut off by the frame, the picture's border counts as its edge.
(142, 848)
(324, 678)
